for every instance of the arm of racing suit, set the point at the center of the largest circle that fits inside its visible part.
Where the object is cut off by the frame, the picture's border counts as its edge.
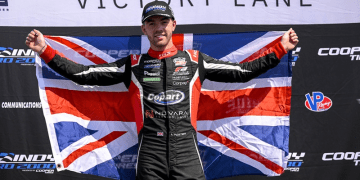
(102, 74)
(220, 71)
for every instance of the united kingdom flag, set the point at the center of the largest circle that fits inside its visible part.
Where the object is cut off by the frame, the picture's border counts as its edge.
(243, 128)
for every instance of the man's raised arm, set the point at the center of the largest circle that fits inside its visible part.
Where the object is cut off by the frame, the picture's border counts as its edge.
(102, 74)
(220, 71)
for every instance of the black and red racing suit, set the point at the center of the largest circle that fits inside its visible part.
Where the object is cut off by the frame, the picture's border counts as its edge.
(165, 89)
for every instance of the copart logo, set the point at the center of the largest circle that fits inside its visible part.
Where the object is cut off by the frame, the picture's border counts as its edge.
(338, 156)
(342, 51)
(317, 102)
(169, 97)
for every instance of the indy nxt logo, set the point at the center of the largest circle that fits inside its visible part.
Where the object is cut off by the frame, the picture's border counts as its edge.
(32, 162)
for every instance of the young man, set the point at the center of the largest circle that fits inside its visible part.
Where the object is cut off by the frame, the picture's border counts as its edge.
(163, 80)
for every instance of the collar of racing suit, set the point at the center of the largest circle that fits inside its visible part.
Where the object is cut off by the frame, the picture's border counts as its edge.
(163, 54)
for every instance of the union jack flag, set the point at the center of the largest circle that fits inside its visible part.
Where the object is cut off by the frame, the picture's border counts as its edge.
(243, 128)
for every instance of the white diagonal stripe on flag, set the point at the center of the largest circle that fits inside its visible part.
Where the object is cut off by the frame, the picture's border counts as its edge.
(255, 83)
(252, 47)
(67, 84)
(90, 48)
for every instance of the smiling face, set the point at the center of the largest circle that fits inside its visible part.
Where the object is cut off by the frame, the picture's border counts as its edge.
(159, 32)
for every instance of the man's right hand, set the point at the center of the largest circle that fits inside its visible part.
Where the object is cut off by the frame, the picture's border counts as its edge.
(36, 41)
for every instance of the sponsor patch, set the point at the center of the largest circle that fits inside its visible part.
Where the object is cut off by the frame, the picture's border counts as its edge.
(146, 73)
(160, 133)
(169, 97)
(151, 79)
(152, 66)
(180, 61)
(180, 78)
(317, 102)
(176, 83)
(179, 71)
(149, 114)
(155, 7)
(153, 61)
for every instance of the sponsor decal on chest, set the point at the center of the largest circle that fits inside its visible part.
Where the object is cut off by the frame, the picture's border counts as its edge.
(152, 66)
(176, 83)
(169, 97)
(146, 73)
(152, 79)
(180, 78)
(153, 61)
(160, 134)
(180, 61)
(181, 71)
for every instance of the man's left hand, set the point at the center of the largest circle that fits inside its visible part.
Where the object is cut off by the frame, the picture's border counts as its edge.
(289, 40)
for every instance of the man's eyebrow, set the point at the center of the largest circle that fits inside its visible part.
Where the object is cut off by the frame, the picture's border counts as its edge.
(149, 20)
(165, 18)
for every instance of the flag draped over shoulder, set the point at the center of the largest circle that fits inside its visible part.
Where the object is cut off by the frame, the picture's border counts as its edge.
(243, 128)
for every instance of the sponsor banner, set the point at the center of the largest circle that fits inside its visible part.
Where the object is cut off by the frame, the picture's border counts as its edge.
(352, 52)
(295, 161)
(21, 105)
(318, 102)
(128, 13)
(9, 55)
(41, 163)
(342, 156)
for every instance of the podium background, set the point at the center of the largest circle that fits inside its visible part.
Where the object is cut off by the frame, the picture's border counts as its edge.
(324, 145)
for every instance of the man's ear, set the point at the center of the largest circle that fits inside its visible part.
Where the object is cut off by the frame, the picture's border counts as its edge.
(143, 29)
(174, 25)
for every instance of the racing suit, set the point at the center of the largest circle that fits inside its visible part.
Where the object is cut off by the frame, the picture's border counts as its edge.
(165, 90)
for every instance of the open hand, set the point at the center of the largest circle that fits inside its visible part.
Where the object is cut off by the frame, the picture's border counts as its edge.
(36, 41)
(289, 40)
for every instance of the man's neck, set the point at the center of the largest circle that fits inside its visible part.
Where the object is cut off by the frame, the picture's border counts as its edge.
(168, 52)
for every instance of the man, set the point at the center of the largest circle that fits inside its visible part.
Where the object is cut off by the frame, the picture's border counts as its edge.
(163, 80)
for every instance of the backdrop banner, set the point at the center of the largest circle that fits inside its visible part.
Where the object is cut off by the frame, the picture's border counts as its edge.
(128, 13)
(325, 88)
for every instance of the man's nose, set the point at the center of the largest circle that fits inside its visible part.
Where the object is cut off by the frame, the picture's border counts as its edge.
(158, 27)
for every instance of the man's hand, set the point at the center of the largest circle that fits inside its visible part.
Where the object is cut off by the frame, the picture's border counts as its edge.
(36, 41)
(289, 40)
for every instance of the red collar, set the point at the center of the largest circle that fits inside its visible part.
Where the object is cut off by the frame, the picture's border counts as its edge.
(163, 54)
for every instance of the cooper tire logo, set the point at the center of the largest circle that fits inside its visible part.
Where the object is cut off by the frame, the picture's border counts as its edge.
(169, 97)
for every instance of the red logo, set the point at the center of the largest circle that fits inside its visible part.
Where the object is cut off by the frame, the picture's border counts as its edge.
(160, 133)
(318, 102)
(178, 69)
(149, 114)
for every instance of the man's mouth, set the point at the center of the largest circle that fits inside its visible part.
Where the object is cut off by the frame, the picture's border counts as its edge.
(160, 37)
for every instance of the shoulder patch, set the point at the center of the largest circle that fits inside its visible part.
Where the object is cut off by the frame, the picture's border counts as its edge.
(194, 55)
(134, 59)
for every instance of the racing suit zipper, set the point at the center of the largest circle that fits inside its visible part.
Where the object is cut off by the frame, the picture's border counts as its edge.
(167, 123)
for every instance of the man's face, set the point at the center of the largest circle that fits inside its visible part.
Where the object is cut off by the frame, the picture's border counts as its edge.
(159, 31)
